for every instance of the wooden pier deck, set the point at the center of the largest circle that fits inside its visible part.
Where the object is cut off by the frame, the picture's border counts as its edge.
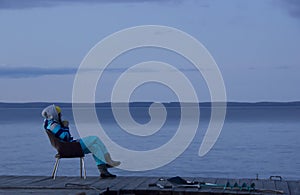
(137, 185)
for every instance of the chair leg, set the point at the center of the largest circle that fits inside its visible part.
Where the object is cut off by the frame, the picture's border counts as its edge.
(82, 167)
(55, 168)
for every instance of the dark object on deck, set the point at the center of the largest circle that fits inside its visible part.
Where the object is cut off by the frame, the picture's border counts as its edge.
(276, 177)
(180, 181)
(87, 186)
(160, 185)
(66, 150)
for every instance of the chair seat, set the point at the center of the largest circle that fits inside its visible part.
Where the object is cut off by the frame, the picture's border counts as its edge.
(66, 150)
(69, 156)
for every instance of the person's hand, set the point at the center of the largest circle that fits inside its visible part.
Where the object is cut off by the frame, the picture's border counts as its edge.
(65, 123)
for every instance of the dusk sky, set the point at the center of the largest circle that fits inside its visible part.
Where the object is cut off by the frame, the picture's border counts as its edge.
(255, 43)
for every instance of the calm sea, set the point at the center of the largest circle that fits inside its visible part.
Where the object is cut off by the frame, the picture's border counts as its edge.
(257, 139)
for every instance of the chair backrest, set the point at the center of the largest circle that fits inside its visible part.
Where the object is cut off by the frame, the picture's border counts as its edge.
(65, 149)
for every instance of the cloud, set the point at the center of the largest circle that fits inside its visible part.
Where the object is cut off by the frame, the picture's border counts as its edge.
(29, 72)
(25, 72)
(24, 4)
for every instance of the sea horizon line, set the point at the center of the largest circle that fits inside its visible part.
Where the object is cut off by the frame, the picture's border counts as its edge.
(148, 103)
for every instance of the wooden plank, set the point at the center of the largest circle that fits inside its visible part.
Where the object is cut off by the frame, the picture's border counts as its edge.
(131, 185)
(27, 181)
(88, 183)
(143, 185)
(11, 180)
(282, 185)
(71, 180)
(123, 183)
(134, 183)
(113, 183)
(58, 182)
(36, 179)
(89, 180)
(144, 188)
(269, 185)
(46, 191)
(3, 179)
(106, 183)
(74, 184)
(294, 187)
(142, 180)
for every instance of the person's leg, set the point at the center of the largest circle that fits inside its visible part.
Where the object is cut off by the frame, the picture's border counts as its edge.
(94, 145)
(111, 162)
(99, 151)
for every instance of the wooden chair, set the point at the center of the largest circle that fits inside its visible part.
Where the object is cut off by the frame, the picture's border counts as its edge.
(66, 150)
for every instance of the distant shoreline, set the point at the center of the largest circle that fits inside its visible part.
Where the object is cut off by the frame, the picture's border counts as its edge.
(147, 104)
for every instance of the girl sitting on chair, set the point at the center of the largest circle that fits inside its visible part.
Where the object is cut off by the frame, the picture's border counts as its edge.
(90, 144)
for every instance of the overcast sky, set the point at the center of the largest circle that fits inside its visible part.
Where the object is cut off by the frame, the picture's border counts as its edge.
(255, 43)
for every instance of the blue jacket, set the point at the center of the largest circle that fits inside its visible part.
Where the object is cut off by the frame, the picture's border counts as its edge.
(52, 122)
(59, 131)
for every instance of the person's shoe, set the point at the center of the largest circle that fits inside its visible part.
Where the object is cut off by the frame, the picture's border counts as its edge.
(104, 172)
(107, 175)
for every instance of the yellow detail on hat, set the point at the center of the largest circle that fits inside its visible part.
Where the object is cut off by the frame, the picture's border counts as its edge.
(58, 109)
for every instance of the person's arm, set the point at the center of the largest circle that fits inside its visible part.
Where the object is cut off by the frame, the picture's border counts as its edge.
(59, 131)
